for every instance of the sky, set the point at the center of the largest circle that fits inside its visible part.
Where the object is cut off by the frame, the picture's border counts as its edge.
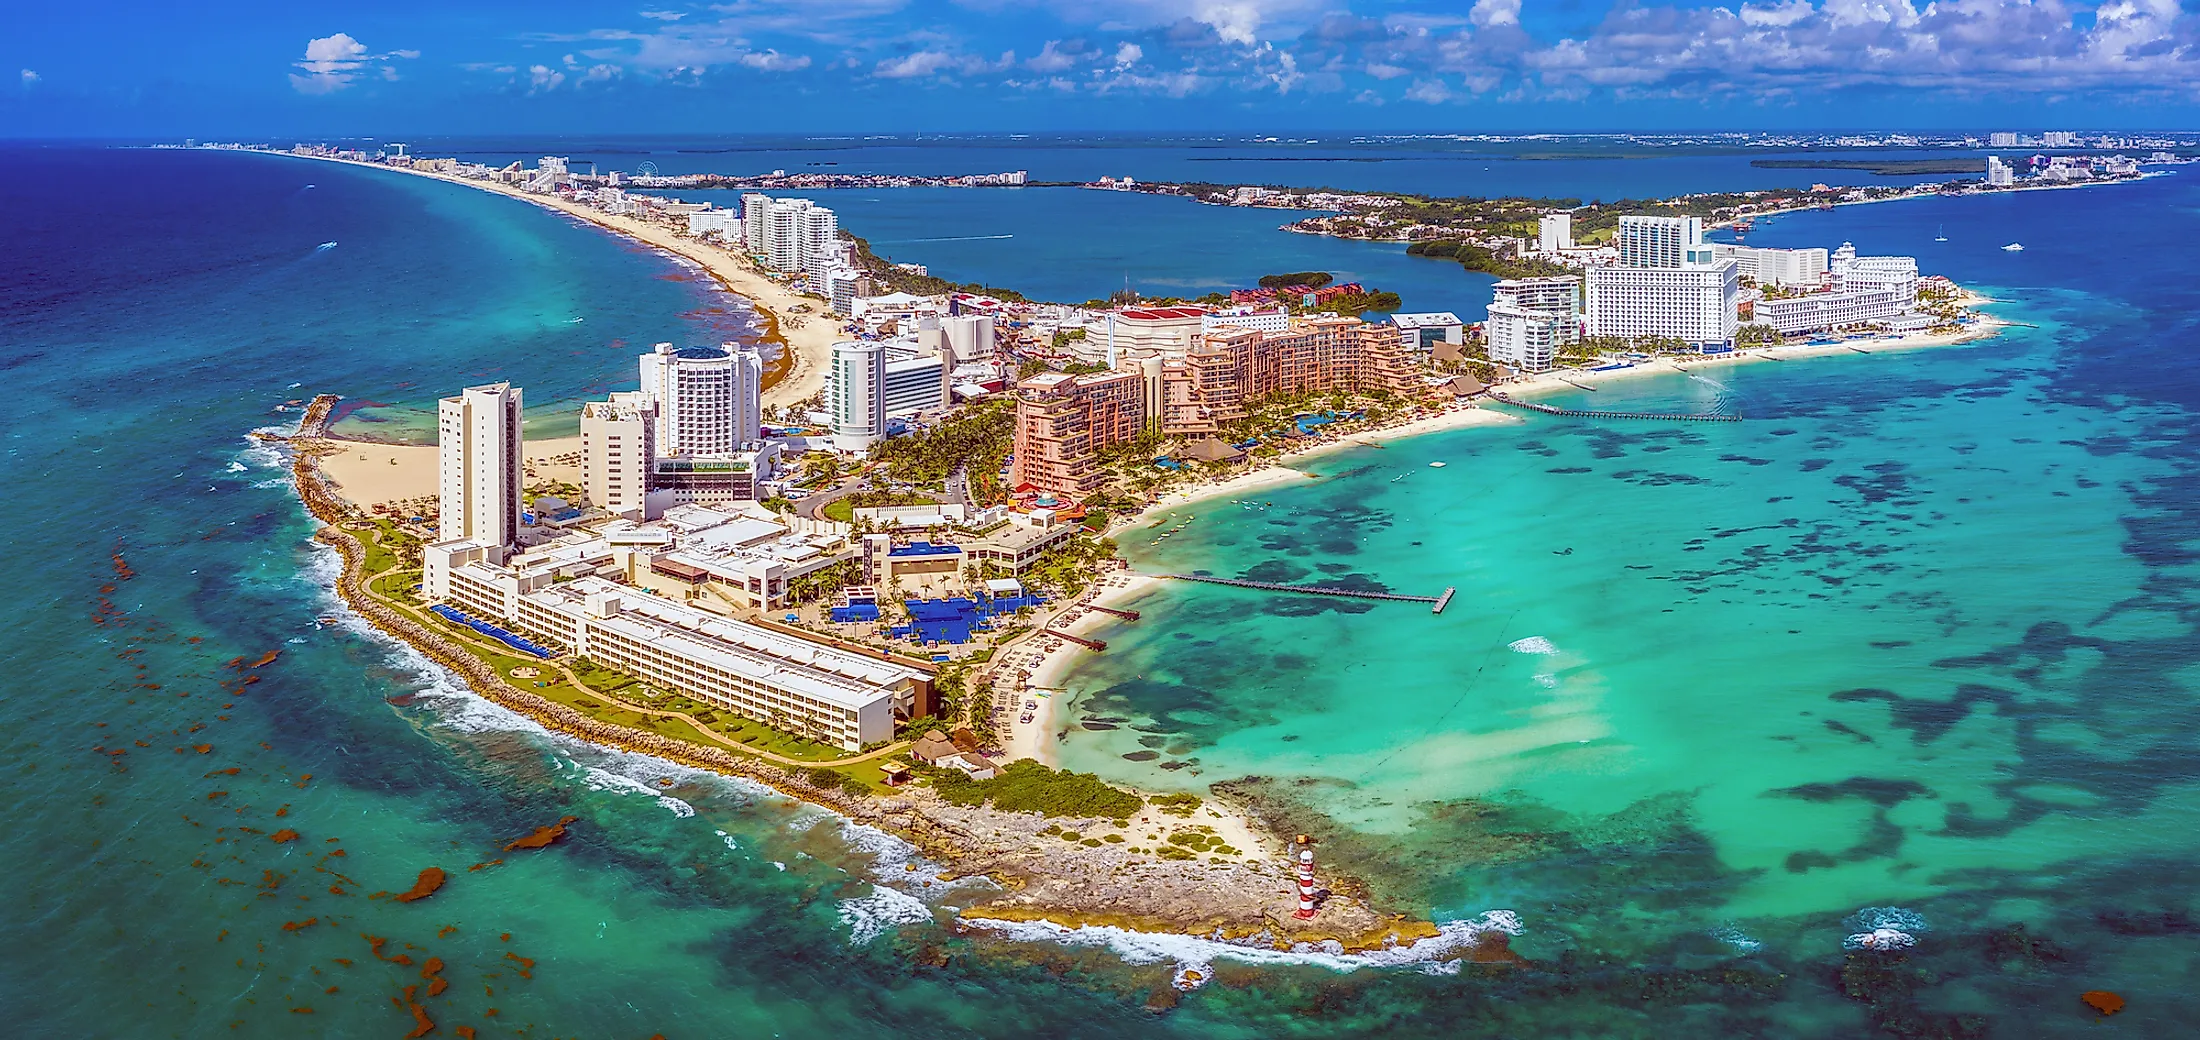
(129, 68)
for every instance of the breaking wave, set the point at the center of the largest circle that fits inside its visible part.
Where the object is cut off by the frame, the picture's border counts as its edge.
(1193, 953)
(884, 910)
(1883, 928)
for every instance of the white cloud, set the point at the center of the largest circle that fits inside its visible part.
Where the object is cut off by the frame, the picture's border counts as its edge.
(1429, 91)
(1781, 14)
(665, 16)
(773, 61)
(910, 66)
(29, 77)
(542, 78)
(1051, 58)
(1127, 55)
(1387, 72)
(1487, 13)
(335, 62)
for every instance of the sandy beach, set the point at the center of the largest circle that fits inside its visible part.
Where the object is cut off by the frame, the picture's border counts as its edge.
(1287, 469)
(1050, 661)
(798, 322)
(369, 473)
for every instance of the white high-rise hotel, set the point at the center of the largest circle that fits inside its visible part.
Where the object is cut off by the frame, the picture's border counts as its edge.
(708, 398)
(692, 433)
(1531, 319)
(794, 235)
(1667, 285)
(856, 394)
(479, 465)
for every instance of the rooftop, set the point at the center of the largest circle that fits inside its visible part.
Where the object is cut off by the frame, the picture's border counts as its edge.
(1162, 313)
(826, 673)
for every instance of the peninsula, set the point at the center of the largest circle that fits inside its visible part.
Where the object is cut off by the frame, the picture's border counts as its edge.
(989, 521)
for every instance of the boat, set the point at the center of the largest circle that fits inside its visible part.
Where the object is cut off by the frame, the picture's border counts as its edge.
(1436, 465)
(2013, 247)
(1941, 235)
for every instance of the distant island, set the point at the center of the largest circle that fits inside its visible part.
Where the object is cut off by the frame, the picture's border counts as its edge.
(1881, 167)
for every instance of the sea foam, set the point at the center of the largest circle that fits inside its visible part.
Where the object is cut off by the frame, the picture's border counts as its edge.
(1883, 928)
(1532, 645)
(1191, 952)
(884, 910)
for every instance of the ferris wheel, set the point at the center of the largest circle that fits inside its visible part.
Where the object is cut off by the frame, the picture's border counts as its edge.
(646, 169)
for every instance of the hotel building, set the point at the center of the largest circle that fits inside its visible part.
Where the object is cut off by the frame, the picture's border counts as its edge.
(1554, 232)
(1788, 267)
(618, 448)
(1668, 285)
(479, 466)
(844, 698)
(1866, 290)
(692, 434)
(1531, 320)
(709, 399)
(1062, 421)
(793, 235)
(855, 394)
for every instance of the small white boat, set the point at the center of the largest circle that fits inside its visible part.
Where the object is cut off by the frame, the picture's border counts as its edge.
(2013, 247)
(1436, 465)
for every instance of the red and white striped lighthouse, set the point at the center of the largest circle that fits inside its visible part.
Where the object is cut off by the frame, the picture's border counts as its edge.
(1306, 877)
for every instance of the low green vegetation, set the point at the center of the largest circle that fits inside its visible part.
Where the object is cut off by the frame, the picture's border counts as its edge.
(1029, 786)
(1180, 805)
(1071, 566)
(1486, 260)
(976, 439)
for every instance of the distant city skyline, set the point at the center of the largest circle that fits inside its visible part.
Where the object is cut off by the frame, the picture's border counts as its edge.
(1279, 66)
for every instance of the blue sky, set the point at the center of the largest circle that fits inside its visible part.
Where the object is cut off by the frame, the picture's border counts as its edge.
(101, 68)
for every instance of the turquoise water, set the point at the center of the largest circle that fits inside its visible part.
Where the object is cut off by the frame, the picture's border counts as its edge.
(156, 307)
(1916, 634)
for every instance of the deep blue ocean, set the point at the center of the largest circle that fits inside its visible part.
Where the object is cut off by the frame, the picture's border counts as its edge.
(157, 307)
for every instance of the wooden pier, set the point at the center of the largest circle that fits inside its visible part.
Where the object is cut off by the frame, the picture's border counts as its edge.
(1127, 615)
(1443, 600)
(1093, 645)
(1579, 413)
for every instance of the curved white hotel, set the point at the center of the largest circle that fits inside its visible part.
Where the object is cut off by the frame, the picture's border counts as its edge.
(856, 394)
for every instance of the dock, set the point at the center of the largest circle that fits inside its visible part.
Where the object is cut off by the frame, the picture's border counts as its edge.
(1580, 413)
(1093, 645)
(1313, 590)
(1127, 615)
(1443, 600)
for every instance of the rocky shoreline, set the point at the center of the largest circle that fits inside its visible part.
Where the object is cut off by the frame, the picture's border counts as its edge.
(1042, 874)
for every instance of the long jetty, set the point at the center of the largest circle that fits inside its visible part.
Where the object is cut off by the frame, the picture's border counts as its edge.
(1437, 602)
(1093, 645)
(1591, 414)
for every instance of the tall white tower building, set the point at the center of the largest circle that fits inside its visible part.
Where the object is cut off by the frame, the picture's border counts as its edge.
(708, 398)
(971, 336)
(1554, 232)
(1532, 319)
(618, 450)
(1661, 242)
(756, 222)
(479, 465)
(856, 394)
